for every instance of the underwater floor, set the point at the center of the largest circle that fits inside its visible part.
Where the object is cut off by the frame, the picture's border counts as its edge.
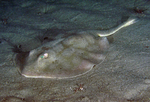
(119, 74)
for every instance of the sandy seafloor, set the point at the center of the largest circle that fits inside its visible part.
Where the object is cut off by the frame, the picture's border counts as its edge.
(124, 76)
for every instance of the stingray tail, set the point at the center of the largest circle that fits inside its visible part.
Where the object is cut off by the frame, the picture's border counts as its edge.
(127, 23)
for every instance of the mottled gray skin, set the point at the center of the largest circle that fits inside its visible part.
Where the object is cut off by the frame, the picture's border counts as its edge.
(65, 58)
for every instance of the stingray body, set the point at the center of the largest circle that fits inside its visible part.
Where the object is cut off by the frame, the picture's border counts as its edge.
(67, 57)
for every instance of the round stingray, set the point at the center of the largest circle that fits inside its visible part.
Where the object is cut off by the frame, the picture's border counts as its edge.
(64, 58)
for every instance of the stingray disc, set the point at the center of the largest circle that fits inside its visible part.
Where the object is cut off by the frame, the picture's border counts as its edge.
(65, 58)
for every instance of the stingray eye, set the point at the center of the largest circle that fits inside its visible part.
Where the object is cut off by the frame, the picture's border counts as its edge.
(45, 55)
